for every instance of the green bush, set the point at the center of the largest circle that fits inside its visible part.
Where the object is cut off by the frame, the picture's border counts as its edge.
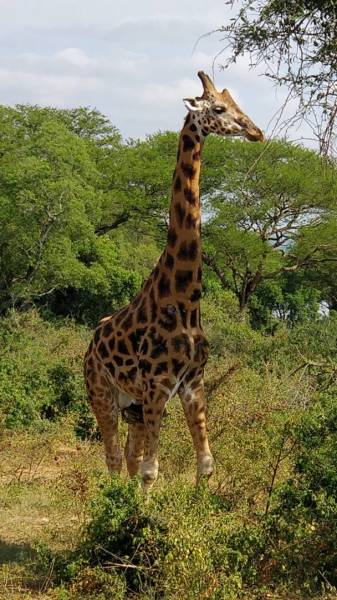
(175, 546)
(40, 369)
(294, 544)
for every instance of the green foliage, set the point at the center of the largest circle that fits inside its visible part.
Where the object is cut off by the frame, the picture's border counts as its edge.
(270, 213)
(41, 369)
(294, 542)
(122, 544)
(84, 220)
(286, 299)
(51, 203)
(296, 44)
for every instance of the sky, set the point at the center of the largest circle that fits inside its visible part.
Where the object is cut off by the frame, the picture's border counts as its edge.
(134, 61)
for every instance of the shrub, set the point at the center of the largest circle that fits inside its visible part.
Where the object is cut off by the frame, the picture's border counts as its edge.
(294, 544)
(40, 369)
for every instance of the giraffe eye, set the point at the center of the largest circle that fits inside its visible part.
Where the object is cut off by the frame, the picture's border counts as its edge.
(219, 109)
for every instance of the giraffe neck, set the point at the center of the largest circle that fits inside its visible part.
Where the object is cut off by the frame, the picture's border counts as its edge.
(183, 247)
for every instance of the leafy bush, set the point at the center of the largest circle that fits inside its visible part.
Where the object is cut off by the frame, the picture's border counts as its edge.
(40, 369)
(295, 542)
(122, 544)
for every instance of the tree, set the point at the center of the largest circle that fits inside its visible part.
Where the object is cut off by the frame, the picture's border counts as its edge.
(296, 42)
(50, 205)
(269, 213)
(137, 185)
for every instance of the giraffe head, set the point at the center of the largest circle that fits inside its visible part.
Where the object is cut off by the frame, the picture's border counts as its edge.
(217, 112)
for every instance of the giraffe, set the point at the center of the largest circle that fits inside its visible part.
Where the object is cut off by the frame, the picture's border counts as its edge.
(148, 351)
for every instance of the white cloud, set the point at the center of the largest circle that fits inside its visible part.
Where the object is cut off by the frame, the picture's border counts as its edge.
(73, 56)
(134, 62)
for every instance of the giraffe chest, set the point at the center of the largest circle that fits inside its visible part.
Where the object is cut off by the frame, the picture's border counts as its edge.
(163, 353)
(170, 359)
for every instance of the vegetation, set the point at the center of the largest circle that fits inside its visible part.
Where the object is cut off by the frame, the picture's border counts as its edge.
(84, 218)
(296, 44)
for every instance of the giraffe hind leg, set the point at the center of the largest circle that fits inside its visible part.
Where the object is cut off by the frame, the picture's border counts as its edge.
(134, 447)
(192, 398)
(104, 402)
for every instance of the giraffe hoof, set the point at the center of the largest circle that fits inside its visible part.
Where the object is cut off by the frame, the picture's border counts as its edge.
(149, 474)
(205, 468)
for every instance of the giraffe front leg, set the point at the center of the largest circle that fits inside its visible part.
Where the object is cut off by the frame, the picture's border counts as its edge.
(153, 411)
(192, 398)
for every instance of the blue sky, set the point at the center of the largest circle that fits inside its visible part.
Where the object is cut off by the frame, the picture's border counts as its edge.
(133, 60)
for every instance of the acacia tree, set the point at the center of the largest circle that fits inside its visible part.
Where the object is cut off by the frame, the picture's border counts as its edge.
(269, 214)
(296, 42)
(51, 201)
(137, 185)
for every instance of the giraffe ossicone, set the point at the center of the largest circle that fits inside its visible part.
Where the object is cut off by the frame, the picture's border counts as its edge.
(155, 347)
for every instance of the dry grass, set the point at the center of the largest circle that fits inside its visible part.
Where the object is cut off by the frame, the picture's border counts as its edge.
(46, 484)
(49, 478)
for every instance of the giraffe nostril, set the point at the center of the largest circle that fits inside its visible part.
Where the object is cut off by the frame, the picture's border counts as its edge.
(241, 122)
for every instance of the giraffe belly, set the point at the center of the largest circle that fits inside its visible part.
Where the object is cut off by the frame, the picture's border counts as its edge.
(124, 400)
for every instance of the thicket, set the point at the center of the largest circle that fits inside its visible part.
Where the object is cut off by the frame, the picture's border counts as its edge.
(83, 219)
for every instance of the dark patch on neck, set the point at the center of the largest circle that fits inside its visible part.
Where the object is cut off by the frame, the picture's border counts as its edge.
(107, 329)
(144, 347)
(188, 250)
(103, 351)
(135, 338)
(193, 127)
(188, 170)
(190, 221)
(181, 344)
(171, 237)
(204, 132)
(127, 323)
(122, 348)
(183, 313)
(153, 305)
(180, 213)
(142, 313)
(183, 279)
(169, 261)
(118, 360)
(177, 366)
(161, 368)
(121, 316)
(111, 368)
(188, 143)
(145, 366)
(132, 376)
(190, 196)
(177, 184)
(194, 318)
(159, 346)
(164, 288)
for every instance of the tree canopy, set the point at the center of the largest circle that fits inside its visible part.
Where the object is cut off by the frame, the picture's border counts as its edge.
(269, 213)
(296, 43)
(84, 216)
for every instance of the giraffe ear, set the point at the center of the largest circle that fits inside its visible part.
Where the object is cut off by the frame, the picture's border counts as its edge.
(193, 104)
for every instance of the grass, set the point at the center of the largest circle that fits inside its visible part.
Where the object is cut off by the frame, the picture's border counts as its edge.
(46, 484)
(49, 479)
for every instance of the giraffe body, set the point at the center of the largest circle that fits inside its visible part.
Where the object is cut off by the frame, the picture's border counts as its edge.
(154, 348)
